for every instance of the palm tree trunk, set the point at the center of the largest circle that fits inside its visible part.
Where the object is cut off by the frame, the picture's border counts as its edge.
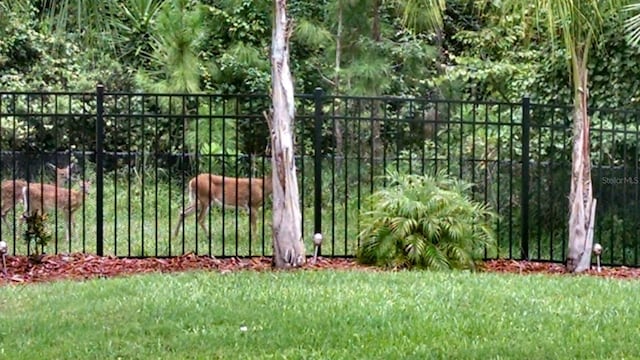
(375, 124)
(336, 80)
(288, 248)
(581, 202)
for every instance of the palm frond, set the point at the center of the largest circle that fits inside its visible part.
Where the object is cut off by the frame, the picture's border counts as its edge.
(420, 221)
(18, 7)
(632, 24)
(423, 15)
(90, 20)
(177, 34)
(248, 55)
(312, 34)
(368, 74)
(435, 259)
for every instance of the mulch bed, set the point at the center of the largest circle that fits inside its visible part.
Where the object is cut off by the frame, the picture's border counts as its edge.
(82, 266)
(532, 267)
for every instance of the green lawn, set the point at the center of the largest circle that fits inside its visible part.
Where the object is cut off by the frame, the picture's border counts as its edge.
(322, 315)
(140, 217)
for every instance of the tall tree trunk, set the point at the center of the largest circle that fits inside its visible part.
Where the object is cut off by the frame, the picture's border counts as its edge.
(336, 80)
(288, 248)
(376, 35)
(581, 202)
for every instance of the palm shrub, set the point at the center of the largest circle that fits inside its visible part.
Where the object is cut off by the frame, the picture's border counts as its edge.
(424, 221)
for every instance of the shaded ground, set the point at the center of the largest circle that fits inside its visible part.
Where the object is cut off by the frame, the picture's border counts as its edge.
(81, 266)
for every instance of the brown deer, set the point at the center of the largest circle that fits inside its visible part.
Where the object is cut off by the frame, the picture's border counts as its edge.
(11, 194)
(63, 175)
(44, 197)
(206, 189)
(11, 190)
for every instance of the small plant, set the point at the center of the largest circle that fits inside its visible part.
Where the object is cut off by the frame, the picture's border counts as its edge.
(36, 233)
(424, 222)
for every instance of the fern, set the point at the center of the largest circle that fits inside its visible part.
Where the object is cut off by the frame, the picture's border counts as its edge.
(424, 222)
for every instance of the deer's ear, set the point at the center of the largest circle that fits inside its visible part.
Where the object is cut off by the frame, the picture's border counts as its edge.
(51, 165)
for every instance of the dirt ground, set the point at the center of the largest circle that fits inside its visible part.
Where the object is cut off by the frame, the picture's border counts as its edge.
(81, 266)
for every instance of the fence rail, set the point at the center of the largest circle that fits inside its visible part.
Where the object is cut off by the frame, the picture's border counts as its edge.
(140, 151)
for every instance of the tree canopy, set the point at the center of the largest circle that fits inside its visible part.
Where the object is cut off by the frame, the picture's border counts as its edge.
(347, 47)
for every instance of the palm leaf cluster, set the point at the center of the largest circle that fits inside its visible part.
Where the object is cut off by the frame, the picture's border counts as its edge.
(632, 24)
(426, 222)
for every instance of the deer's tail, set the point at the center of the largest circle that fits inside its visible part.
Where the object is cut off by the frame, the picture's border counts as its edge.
(25, 197)
(192, 190)
(25, 202)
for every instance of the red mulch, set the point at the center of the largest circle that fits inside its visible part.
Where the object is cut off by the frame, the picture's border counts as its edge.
(81, 266)
(532, 267)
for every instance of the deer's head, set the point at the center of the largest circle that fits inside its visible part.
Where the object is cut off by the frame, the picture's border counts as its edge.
(85, 186)
(63, 174)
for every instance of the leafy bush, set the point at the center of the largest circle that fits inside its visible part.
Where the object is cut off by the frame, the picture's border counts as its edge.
(425, 222)
(36, 233)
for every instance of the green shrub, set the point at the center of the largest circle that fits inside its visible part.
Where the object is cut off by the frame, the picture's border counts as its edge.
(425, 222)
(36, 233)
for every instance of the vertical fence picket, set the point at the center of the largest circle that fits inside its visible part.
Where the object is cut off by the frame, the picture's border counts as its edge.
(524, 190)
(317, 168)
(100, 169)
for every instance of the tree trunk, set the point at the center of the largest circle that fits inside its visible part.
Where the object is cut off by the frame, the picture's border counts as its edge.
(338, 133)
(376, 36)
(288, 248)
(581, 202)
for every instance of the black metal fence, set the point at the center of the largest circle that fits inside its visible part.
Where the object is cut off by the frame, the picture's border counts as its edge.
(140, 151)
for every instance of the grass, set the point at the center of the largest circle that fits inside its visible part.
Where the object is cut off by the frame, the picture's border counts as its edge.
(141, 211)
(322, 315)
(140, 215)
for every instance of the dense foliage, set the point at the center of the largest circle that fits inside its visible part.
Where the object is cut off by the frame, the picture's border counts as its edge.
(345, 47)
(360, 47)
(425, 222)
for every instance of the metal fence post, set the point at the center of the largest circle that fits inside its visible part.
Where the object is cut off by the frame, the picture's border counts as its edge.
(317, 169)
(524, 191)
(99, 169)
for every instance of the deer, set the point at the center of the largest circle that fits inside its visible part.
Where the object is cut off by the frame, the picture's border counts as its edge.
(39, 198)
(11, 194)
(11, 190)
(63, 175)
(206, 189)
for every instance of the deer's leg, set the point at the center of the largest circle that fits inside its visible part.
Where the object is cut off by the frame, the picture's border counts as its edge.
(25, 203)
(201, 217)
(4, 217)
(183, 214)
(68, 225)
(180, 218)
(5, 211)
(7, 204)
(253, 217)
(72, 224)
